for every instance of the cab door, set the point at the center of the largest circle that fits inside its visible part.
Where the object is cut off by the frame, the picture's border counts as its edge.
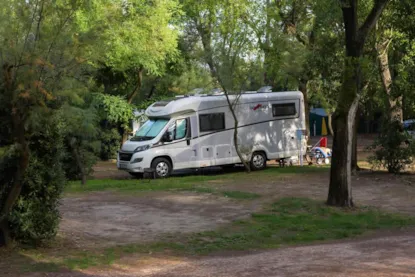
(180, 148)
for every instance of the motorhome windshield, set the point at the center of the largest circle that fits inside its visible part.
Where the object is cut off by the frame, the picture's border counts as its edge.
(150, 129)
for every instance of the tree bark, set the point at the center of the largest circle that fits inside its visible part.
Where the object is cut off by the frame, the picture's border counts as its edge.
(340, 188)
(303, 88)
(78, 160)
(4, 233)
(130, 99)
(330, 123)
(137, 87)
(395, 104)
(354, 165)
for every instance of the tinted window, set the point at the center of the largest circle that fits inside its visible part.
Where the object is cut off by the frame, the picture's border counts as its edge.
(212, 122)
(286, 109)
(181, 128)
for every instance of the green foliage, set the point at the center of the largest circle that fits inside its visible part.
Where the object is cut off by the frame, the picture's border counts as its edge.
(35, 217)
(132, 34)
(394, 149)
(115, 115)
(110, 143)
(114, 109)
(79, 129)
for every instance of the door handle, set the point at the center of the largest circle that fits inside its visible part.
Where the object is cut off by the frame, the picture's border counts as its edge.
(188, 141)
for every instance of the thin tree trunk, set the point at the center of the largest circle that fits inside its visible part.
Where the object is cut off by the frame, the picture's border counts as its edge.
(303, 88)
(137, 87)
(206, 41)
(153, 88)
(330, 123)
(395, 104)
(130, 99)
(78, 160)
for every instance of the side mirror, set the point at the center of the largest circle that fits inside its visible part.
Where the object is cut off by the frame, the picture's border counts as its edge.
(167, 137)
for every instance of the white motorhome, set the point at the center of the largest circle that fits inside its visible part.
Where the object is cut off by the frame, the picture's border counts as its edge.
(197, 131)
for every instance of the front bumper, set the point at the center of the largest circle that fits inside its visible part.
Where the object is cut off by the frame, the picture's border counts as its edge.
(135, 164)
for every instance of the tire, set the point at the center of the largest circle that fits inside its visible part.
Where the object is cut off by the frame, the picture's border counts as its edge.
(162, 167)
(258, 161)
(136, 175)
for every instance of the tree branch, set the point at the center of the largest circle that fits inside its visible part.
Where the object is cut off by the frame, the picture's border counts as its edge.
(371, 20)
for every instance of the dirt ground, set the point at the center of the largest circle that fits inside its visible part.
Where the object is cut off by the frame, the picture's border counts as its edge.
(392, 256)
(102, 219)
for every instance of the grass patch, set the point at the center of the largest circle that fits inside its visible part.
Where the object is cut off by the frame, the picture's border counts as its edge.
(289, 221)
(191, 182)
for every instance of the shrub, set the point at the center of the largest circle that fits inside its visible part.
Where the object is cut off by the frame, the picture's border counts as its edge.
(35, 217)
(393, 149)
(110, 143)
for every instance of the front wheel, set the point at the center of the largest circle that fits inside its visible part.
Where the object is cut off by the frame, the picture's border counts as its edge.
(258, 161)
(162, 167)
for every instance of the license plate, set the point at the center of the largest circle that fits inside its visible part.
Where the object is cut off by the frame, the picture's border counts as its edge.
(122, 166)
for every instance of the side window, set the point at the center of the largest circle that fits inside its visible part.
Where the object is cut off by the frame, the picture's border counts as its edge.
(212, 122)
(181, 129)
(286, 109)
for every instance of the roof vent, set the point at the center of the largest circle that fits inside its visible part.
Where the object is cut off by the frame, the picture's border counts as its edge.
(265, 89)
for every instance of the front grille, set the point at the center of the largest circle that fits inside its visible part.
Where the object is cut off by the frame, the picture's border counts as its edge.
(125, 156)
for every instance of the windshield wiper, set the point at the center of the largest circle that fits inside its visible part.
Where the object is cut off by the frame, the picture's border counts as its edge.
(141, 138)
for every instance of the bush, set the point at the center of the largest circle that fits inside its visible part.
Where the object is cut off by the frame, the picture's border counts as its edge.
(35, 217)
(110, 143)
(393, 149)
(80, 137)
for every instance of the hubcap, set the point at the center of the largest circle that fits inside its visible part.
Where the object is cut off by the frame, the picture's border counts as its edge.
(162, 169)
(258, 161)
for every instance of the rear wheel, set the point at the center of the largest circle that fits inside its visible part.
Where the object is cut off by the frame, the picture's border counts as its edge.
(258, 161)
(162, 167)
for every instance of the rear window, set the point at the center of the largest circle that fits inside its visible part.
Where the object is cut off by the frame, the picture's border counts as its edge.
(286, 109)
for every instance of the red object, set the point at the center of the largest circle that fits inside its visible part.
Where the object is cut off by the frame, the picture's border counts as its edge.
(257, 107)
(323, 142)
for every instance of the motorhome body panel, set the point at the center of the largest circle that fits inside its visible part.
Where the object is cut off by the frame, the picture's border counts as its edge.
(266, 122)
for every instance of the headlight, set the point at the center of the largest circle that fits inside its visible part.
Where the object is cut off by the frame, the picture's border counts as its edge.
(142, 148)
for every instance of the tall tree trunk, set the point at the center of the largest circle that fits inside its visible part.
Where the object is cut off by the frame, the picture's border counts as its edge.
(130, 99)
(395, 104)
(303, 88)
(340, 188)
(330, 123)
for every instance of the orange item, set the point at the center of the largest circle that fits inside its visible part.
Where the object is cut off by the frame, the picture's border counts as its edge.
(323, 142)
